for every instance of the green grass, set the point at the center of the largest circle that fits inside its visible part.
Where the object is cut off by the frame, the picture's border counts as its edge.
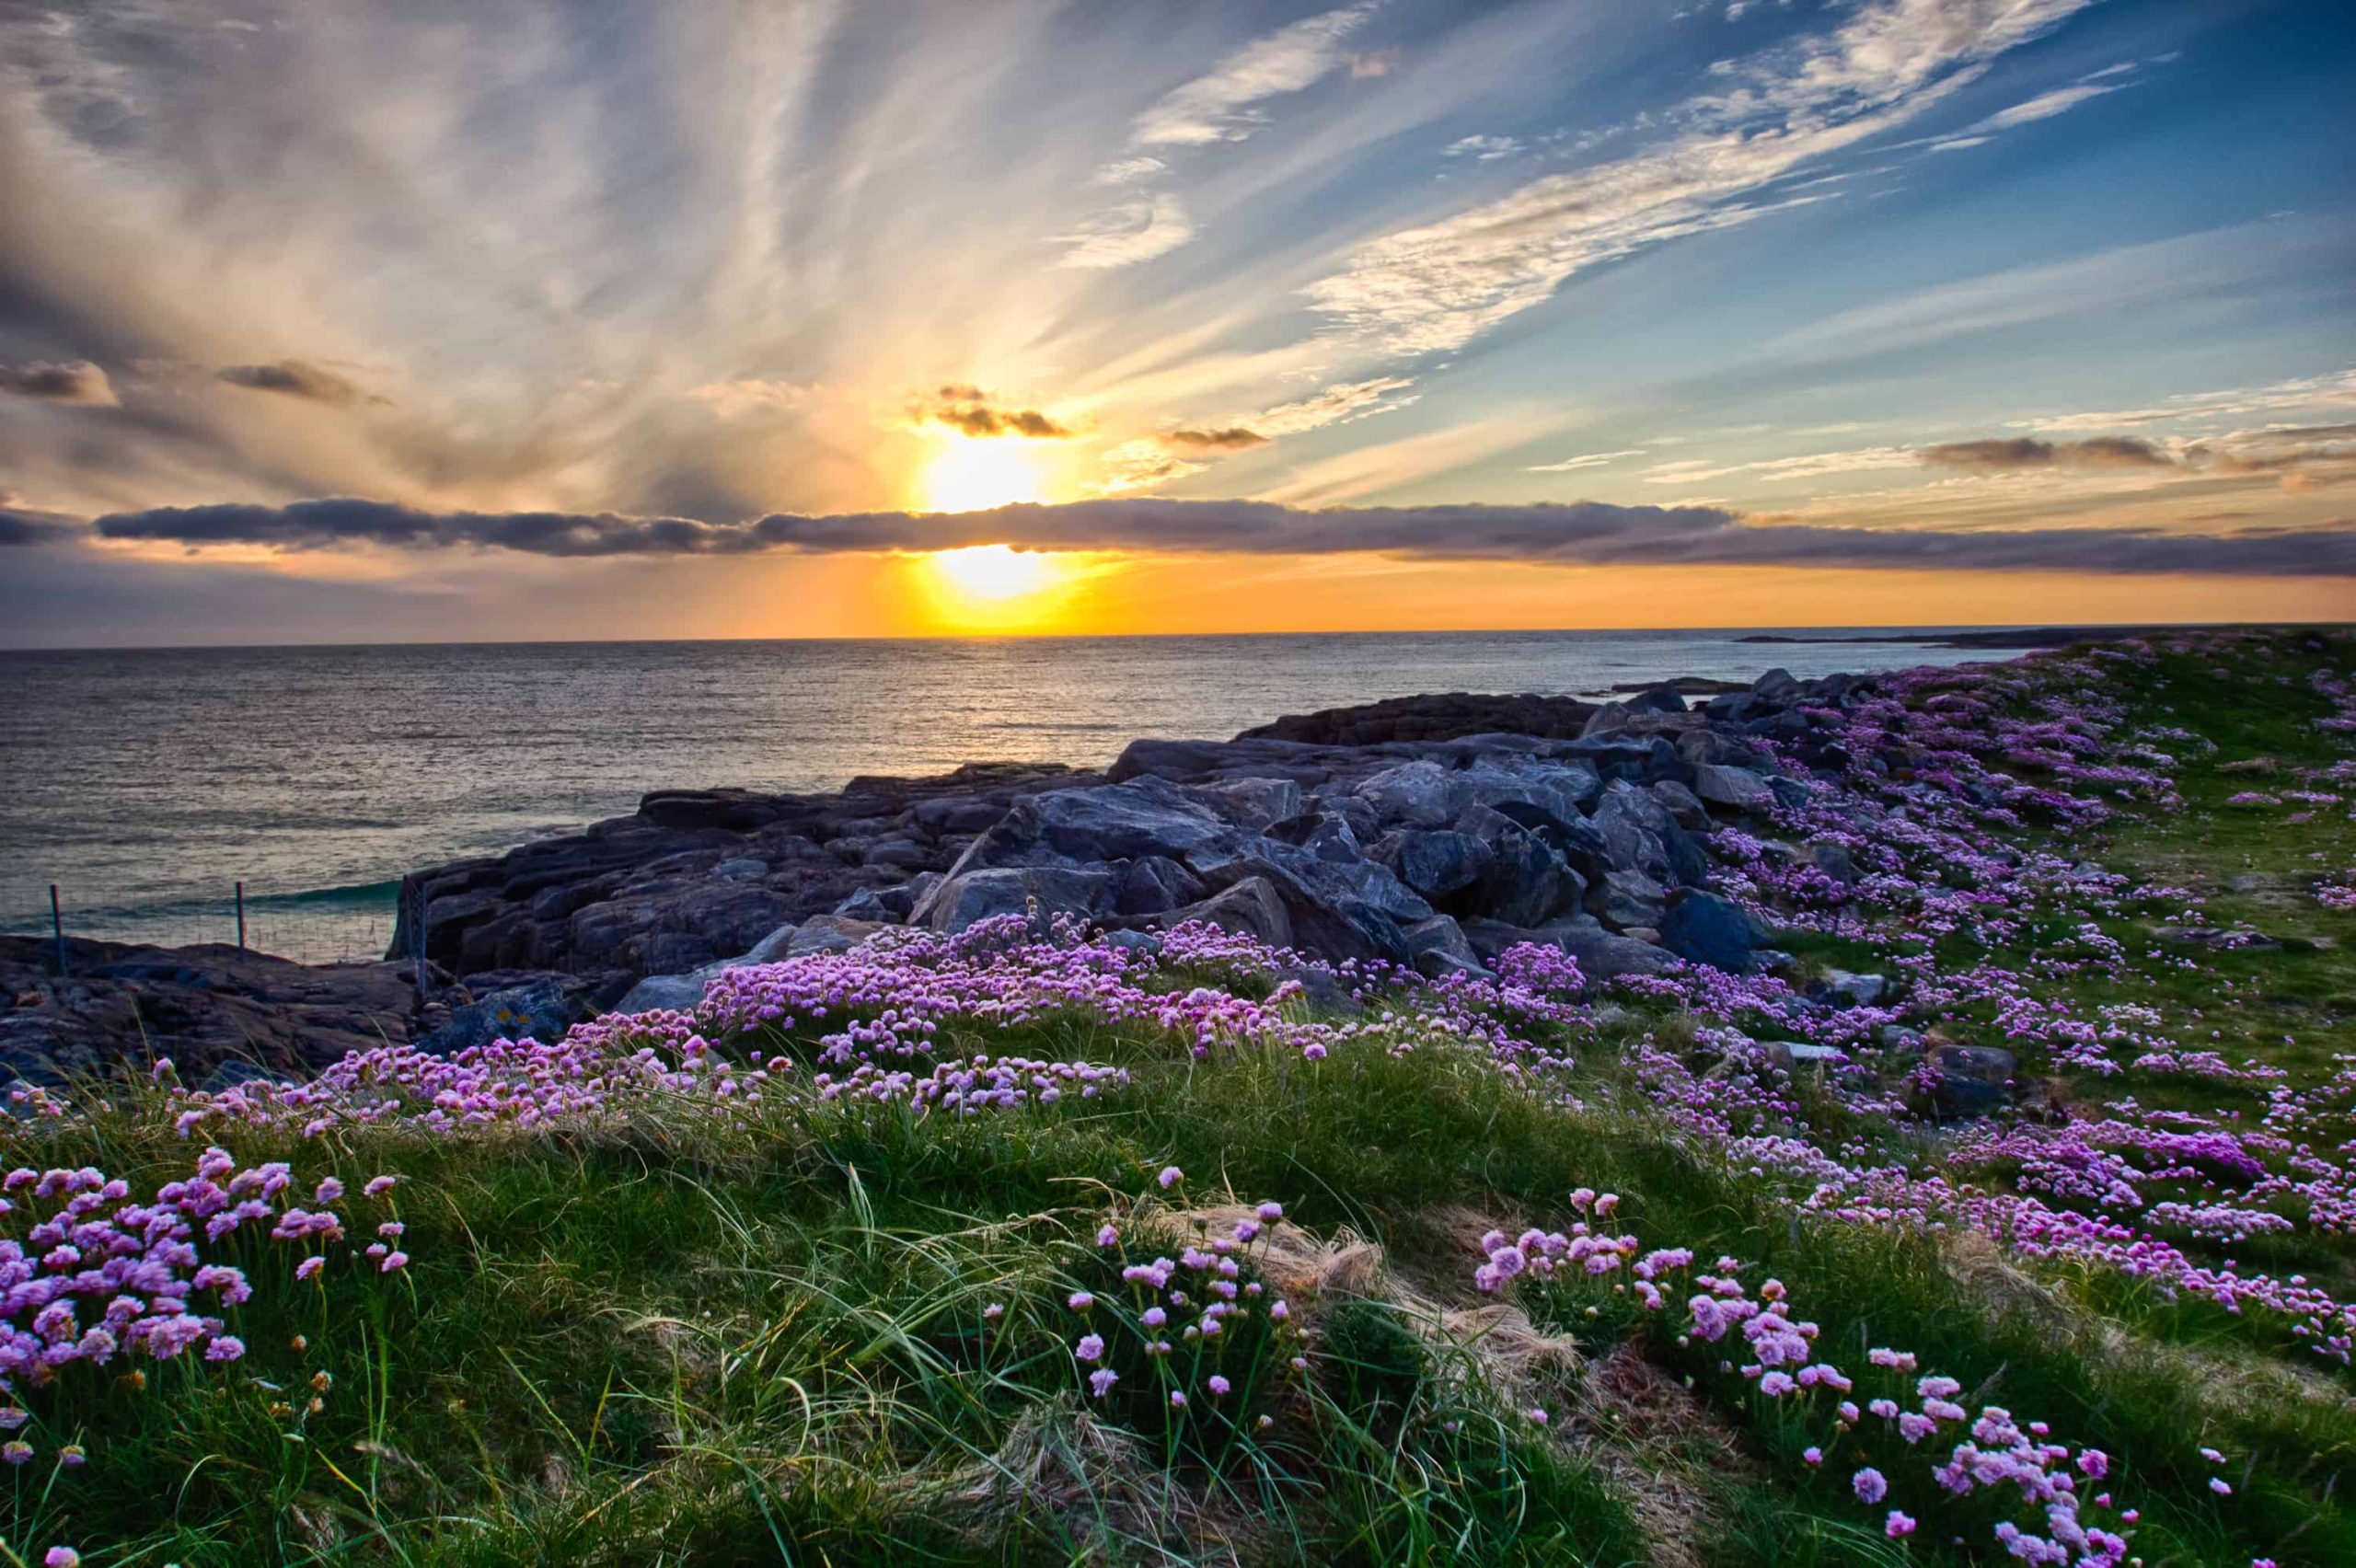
(678, 1343)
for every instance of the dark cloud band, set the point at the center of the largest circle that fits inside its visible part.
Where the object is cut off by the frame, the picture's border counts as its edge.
(1582, 533)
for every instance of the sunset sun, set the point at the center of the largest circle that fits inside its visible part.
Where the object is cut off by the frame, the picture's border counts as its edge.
(994, 571)
(973, 476)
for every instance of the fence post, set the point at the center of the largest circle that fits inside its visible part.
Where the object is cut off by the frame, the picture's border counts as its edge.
(57, 930)
(241, 916)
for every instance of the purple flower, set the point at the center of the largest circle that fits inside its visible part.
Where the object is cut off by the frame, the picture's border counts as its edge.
(1869, 1485)
(1108, 1237)
(1900, 1525)
(1091, 1348)
(61, 1557)
(1170, 1176)
(1079, 1302)
(1218, 1386)
(1101, 1381)
(1177, 1400)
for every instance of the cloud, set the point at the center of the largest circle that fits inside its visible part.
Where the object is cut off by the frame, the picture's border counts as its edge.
(22, 526)
(970, 409)
(298, 378)
(1234, 438)
(1128, 234)
(1219, 107)
(1585, 460)
(1482, 149)
(1433, 288)
(750, 394)
(1139, 465)
(1580, 533)
(78, 382)
(2044, 106)
(1337, 404)
(2028, 451)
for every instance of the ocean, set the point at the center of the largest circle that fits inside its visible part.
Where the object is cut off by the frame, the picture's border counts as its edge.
(147, 784)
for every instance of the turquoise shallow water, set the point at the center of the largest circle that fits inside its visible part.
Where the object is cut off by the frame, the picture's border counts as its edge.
(148, 783)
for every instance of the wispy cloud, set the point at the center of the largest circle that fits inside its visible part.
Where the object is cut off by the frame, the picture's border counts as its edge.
(1433, 288)
(1585, 460)
(973, 411)
(1222, 106)
(2025, 452)
(299, 378)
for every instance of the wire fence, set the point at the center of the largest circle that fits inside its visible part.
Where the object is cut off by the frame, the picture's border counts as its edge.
(308, 926)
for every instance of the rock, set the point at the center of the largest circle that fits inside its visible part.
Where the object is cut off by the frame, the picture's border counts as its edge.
(1439, 946)
(742, 869)
(1414, 794)
(1737, 788)
(1145, 942)
(1249, 907)
(963, 899)
(1776, 688)
(1683, 806)
(1657, 699)
(829, 933)
(1608, 720)
(1326, 835)
(771, 948)
(663, 993)
(1435, 863)
(1639, 834)
(1602, 955)
(1858, 990)
(538, 1012)
(1436, 718)
(1526, 882)
(1787, 1054)
(1974, 1079)
(1901, 1040)
(1834, 861)
(235, 1071)
(1626, 899)
(1720, 749)
(877, 904)
(1254, 802)
(1153, 883)
(1702, 928)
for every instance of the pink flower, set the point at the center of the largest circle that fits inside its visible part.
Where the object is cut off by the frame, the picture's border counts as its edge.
(1079, 1302)
(1091, 1348)
(1101, 1381)
(61, 1557)
(1170, 1176)
(309, 1266)
(1900, 1523)
(1218, 1386)
(379, 1185)
(1869, 1485)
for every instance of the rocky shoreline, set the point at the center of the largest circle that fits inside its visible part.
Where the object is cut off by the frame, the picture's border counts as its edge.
(1431, 832)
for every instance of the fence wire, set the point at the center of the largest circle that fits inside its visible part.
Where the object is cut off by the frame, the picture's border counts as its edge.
(304, 925)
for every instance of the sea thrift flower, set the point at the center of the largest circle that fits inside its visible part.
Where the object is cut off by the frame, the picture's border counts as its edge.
(1170, 1176)
(61, 1557)
(1101, 1381)
(1079, 1302)
(1869, 1486)
(1218, 1386)
(1091, 1348)
(1900, 1525)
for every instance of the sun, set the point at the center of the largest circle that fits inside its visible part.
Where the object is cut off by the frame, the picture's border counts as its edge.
(969, 475)
(991, 573)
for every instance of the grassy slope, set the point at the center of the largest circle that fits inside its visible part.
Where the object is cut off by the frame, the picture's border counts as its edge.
(680, 1345)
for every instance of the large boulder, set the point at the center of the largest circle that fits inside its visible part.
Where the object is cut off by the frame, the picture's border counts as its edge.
(1254, 802)
(970, 896)
(1974, 1079)
(1413, 794)
(1526, 882)
(1624, 899)
(1435, 863)
(1639, 834)
(1438, 947)
(1250, 907)
(1737, 788)
(1151, 884)
(1702, 928)
(538, 1012)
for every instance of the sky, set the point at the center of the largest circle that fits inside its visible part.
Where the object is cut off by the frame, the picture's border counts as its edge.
(517, 320)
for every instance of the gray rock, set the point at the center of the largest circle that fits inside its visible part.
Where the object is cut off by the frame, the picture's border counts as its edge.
(663, 993)
(878, 904)
(1684, 807)
(1861, 990)
(742, 868)
(1639, 834)
(1254, 802)
(1249, 907)
(1737, 788)
(771, 948)
(962, 900)
(1326, 835)
(1153, 883)
(1439, 946)
(1435, 863)
(1702, 928)
(1776, 687)
(1145, 942)
(1626, 899)
(1834, 861)
(540, 1011)
(235, 1071)
(1974, 1079)
(1526, 882)
(1714, 746)
(1657, 699)
(1413, 794)
(829, 933)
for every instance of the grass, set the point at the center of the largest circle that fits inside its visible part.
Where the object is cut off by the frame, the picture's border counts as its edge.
(673, 1342)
